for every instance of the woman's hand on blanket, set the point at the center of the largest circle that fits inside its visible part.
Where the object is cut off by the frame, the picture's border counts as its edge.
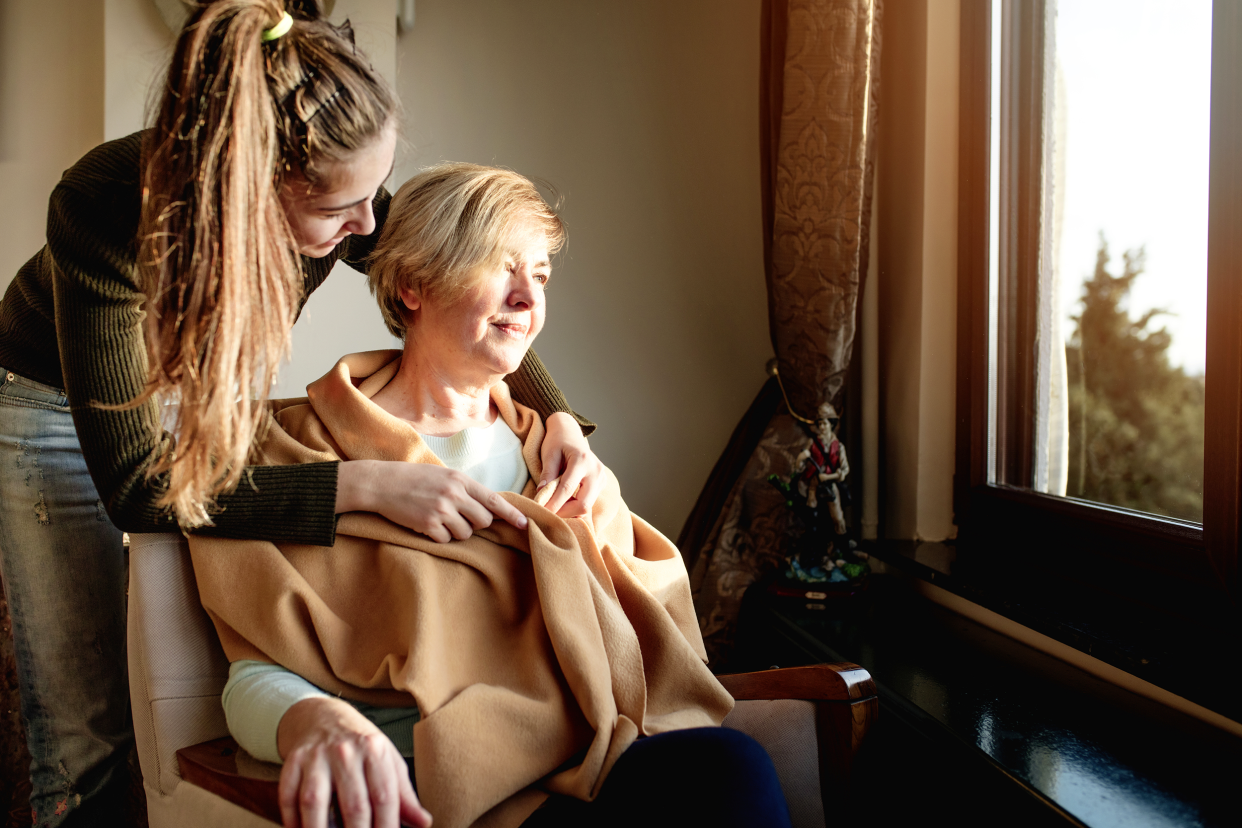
(330, 748)
(438, 502)
(570, 466)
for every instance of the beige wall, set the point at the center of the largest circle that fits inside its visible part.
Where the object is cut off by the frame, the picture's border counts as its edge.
(51, 111)
(644, 115)
(137, 45)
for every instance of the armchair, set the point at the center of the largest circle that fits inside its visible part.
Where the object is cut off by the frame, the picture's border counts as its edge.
(810, 719)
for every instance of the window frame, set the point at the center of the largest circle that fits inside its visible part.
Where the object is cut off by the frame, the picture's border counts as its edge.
(1122, 558)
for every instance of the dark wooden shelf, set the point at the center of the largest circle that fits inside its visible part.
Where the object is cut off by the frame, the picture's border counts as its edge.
(972, 721)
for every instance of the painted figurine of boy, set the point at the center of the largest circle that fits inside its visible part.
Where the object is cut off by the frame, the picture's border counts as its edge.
(822, 465)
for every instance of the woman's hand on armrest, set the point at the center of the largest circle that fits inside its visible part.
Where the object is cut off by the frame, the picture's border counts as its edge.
(328, 746)
(571, 466)
(438, 502)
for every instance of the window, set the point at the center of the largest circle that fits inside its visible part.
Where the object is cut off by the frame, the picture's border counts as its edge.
(1029, 522)
(1128, 287)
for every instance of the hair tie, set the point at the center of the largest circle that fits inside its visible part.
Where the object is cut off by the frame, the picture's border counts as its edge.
(281, 28)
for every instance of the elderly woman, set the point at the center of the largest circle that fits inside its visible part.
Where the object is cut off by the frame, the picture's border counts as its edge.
(547, 675)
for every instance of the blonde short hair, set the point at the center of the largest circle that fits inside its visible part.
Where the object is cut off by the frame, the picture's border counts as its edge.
(446, 222)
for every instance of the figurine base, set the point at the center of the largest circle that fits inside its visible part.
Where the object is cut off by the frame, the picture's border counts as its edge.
(783, 587)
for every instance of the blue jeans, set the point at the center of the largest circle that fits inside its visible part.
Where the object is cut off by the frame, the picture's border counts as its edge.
(63, 565)
(702, 776)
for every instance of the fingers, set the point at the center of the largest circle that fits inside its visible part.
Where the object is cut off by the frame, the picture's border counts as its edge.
(581, 482)
(562, 491)
(592, 486)
(553, 458)
(443, 506)
(382, 787)
(370, 780)
(409, 809)
(441, 503)
(563, 433)
(313, 794)
(348, 763)
(446, 505)
(470, 499)
(565, 485)
(496, 505)
(287, 792)
(567, 455)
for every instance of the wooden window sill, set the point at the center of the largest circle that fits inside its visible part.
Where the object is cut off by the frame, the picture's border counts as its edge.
(1028, 730)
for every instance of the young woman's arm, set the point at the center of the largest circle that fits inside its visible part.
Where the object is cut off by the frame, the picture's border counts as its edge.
(89, 265)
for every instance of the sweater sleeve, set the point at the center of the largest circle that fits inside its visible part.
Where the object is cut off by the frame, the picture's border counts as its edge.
(256, 698)
(533, 387)
(258, 695)
(92, 220)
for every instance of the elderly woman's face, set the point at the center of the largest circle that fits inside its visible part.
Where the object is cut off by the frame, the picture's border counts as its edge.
(490, 327)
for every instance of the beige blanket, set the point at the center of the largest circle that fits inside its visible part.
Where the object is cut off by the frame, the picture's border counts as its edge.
(536, 657)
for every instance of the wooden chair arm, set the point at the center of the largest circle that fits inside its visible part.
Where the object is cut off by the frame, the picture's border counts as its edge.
(818, 682)
(846, 705)
(843, 694)
(214, 766)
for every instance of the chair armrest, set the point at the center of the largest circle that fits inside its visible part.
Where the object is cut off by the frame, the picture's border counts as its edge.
(224, 769)
(844, 696)
(818, 682)
(846, 705)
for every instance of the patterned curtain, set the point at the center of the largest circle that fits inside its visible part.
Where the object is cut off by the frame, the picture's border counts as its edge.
(818, 83)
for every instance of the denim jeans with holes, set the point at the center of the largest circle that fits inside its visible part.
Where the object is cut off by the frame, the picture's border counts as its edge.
(63, 566)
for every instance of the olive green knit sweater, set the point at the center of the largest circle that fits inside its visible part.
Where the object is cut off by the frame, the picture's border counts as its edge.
(72, 318)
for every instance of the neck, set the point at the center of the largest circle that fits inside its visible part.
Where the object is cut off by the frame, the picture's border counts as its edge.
(436, 400)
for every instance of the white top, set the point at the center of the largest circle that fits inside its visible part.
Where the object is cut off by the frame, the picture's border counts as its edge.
(491, 456)
(259, 694)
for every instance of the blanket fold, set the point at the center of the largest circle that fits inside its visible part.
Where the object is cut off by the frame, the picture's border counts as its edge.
(535, 656)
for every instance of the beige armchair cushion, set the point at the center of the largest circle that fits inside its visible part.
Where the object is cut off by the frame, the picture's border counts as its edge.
(176, 667)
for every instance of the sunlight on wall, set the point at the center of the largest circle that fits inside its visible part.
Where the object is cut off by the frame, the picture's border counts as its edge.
(917, 186)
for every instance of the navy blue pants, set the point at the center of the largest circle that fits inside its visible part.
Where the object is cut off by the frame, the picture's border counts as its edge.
(703, 776)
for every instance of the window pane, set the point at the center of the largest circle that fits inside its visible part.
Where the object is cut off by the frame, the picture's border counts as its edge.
(1128, 187)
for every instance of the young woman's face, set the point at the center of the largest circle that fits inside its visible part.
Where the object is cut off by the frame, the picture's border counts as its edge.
(340, 204)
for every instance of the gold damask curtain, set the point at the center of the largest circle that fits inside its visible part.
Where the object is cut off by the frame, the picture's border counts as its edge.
(818, 82)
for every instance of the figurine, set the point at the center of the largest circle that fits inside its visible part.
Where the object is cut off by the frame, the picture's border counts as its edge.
(824, 461)
(821, 553)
